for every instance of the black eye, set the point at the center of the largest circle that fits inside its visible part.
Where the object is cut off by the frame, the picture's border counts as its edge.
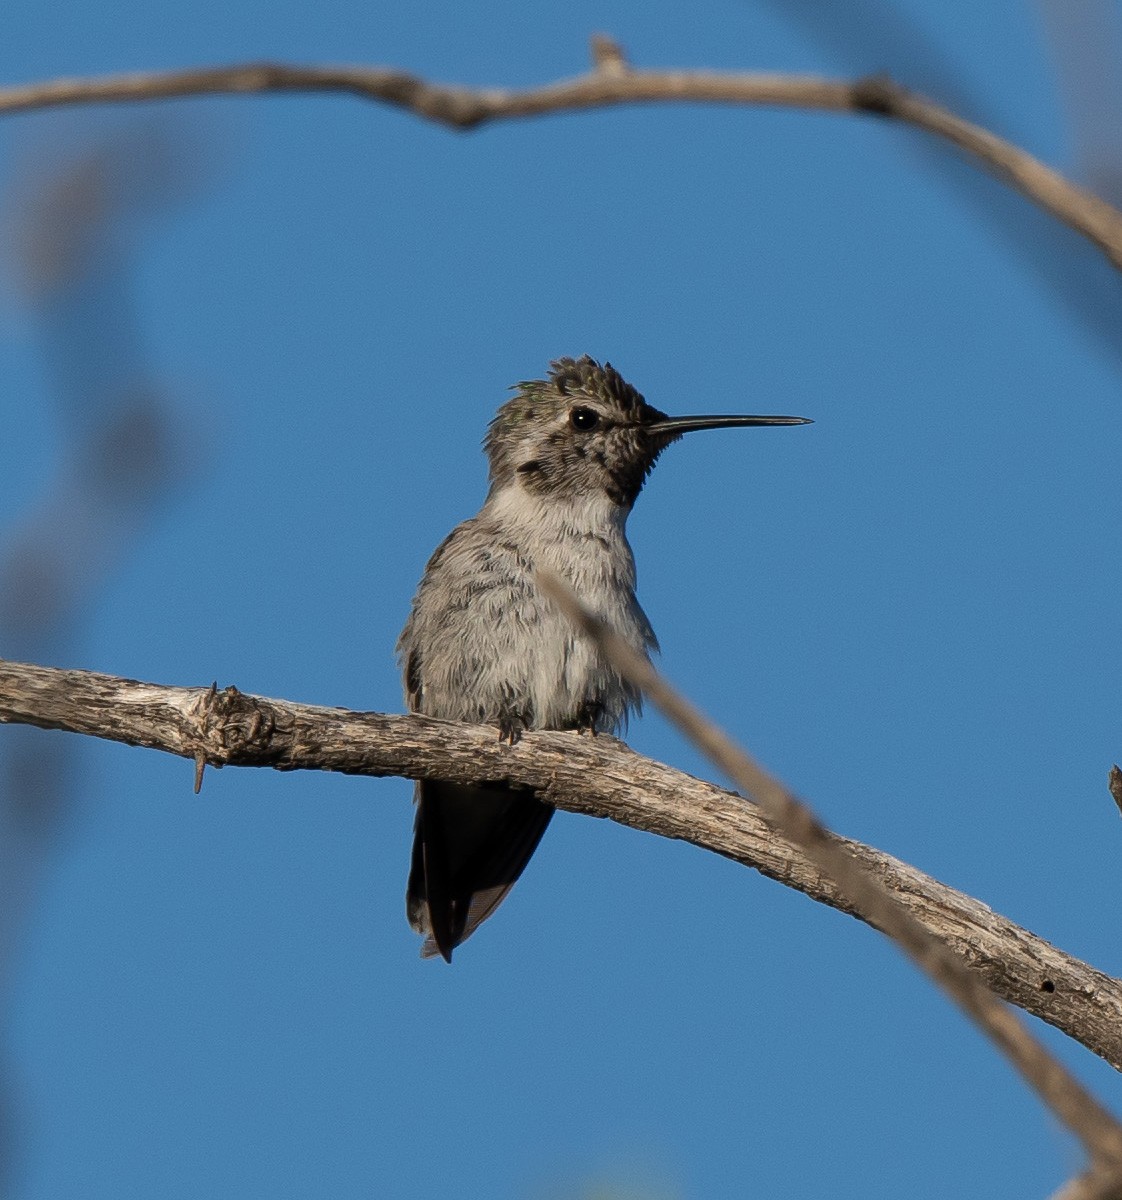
(584, 418)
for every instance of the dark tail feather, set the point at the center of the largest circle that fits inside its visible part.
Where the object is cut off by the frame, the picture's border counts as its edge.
(470, 844)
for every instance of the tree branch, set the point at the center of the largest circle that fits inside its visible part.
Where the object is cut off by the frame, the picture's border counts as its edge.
(609, 84)
(1090, 1185)
(1069, 1100)
(597, 776)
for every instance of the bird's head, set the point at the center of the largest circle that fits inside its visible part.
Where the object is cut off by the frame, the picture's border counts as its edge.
(585, 428)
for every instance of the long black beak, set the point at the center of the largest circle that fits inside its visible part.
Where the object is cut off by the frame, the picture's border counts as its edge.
(676, 425)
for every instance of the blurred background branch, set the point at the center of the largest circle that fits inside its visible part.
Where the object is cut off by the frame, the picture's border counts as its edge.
(877, 35)
(72, 224)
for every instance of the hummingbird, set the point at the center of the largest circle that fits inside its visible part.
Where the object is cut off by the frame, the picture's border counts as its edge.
(568, 456)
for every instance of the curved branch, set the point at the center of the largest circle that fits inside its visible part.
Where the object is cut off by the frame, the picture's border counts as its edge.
(597, 776)
(611, 83)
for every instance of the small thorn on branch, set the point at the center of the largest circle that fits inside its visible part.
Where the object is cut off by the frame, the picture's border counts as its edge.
(200, 767)
(607, 55)
(1115, 783)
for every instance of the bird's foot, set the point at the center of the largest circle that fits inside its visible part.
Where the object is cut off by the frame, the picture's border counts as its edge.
(512, 724)
(588, 717)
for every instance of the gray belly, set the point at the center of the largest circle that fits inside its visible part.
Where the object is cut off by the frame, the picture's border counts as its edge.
(507, 646)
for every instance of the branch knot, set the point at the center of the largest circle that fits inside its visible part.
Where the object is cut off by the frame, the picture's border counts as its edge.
(228, 724)
(878, 95)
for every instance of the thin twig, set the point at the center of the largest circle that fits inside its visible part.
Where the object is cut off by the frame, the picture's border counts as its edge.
(609, 84)
(1091, 1185)
(1075, 1107)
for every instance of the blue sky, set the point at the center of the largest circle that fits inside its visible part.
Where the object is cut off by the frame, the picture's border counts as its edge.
(907, 610)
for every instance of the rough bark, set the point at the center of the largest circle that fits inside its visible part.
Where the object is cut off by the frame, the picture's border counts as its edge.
(597, 776)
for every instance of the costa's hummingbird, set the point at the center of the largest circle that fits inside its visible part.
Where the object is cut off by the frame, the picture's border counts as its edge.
(568, 456)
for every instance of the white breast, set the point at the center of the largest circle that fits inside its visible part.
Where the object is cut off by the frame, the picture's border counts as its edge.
(582, 540)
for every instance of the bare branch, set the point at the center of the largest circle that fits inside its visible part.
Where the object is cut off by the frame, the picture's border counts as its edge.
(1092, 1185)
(597, 776)
(610, 83)
(1072, 1103)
